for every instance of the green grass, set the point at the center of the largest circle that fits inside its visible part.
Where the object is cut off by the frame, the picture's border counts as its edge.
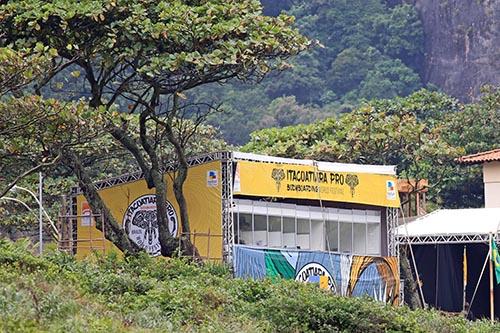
(142, 294)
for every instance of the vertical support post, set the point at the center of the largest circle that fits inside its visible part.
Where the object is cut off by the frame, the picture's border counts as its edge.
(64, 241)
(392, 241)
(464, 278)
(227, 211)
(492, 301)
(73, 224)
(40, 213)
(194, 240)
(392, 224)
(208, 245)
(417, 202)
(89, 228)
(437, 277)
(103, 234)
(183, 234)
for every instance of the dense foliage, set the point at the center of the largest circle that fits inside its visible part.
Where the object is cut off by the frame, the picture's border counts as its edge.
(143, 57)
(365, 49)
(142, 294)
(421, 134)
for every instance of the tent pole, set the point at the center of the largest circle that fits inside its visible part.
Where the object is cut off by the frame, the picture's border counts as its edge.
(437, 277)
(477, 285)
(464, 276)
(492, 301)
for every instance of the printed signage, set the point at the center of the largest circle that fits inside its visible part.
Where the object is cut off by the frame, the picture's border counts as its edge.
(212, 178)
(313, 272)
(306, 182)
(141, 225)
(391, 190)
(86, 215)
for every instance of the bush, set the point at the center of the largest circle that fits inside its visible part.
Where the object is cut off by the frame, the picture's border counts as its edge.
(56, 293)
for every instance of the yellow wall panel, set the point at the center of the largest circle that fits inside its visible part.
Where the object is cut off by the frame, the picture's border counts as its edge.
(202, 190)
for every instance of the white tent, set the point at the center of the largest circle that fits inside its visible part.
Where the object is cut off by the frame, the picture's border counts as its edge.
(446, 226)
(441, 240)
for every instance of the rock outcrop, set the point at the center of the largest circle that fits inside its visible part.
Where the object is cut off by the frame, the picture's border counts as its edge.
(462, 44)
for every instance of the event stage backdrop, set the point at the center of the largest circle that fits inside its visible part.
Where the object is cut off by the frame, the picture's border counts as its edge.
(347, 275)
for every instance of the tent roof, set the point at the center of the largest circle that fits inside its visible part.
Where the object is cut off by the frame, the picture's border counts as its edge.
(451, 226)
(322, 166)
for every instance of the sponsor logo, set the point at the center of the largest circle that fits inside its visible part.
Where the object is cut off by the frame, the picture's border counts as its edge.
(278, 175)
(212, 178)
(352, 181)
(86, 215)
(391, 193)
(141, 225)
(312, 272)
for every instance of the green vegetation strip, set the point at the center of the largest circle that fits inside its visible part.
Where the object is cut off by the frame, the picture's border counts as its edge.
(141, 294)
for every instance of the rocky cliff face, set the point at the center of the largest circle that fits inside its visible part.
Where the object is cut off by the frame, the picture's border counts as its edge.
(462, 44)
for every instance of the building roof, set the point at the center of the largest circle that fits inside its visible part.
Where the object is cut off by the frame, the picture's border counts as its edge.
(486, 156)
(453, 222)
(322, 166)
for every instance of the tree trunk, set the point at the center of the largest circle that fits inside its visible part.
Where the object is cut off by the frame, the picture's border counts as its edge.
(181, 175)
(114, 232)
(410, 286)
(154, 179)
(167, 241)
(179, 180)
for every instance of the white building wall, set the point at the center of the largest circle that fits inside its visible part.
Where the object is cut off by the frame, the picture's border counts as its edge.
(491, 176)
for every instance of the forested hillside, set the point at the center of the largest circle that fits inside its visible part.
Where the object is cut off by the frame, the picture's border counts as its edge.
(362, 49)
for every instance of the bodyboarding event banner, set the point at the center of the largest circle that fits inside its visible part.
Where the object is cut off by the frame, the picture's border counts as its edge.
(306, 182)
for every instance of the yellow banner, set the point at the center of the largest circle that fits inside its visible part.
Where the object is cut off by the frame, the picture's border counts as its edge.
(134, 206)
(305, 182)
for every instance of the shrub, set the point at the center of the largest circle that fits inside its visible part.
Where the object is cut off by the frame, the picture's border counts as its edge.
(56, 293)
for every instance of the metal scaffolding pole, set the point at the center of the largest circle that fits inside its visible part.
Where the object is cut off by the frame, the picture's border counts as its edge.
(40, 216)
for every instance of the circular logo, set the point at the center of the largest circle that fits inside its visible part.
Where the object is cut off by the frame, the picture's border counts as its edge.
(314, 269)
(141, 224)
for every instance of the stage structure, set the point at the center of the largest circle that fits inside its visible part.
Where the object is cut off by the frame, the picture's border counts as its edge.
(440, 241)
(261, 202)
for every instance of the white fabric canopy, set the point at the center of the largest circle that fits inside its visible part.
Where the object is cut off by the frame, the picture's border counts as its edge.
(449, 222)
(322, 166)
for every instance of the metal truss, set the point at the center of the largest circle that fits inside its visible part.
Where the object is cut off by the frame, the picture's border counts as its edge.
(401, 292)
(130, 177)
(227, 204)
(392, 224)
(444, 239)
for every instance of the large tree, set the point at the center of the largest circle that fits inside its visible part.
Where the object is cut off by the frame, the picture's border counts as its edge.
(421, 134)
(144, 56)
(35, 132)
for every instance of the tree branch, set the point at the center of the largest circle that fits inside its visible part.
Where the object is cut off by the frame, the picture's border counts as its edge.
(27, 173)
